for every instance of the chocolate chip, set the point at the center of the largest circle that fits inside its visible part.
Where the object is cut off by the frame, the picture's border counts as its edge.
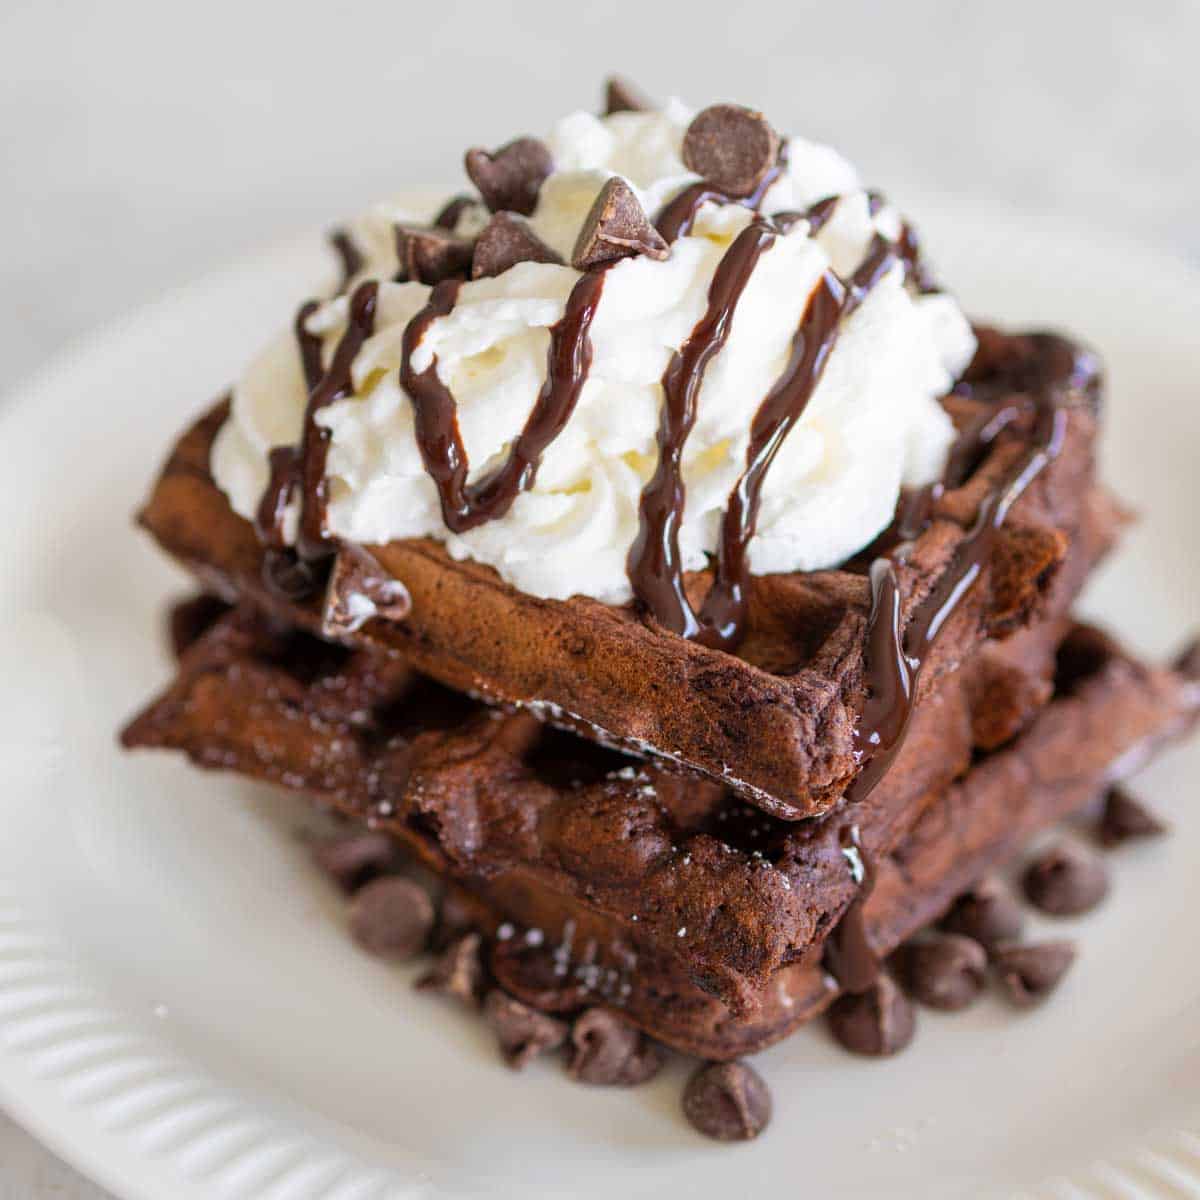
(1083, 653)
(616, 227)
(1066, 880)
(510, 178)
(727, 1101)
(1030, 973)
(988, 913)
(877, 1022)
(523, 1032)
(391, 918)
(458, 971)
(621, 96)
(429, 254)
(1187, 663)
(607, 1050)
(1127, 819)
(505, 241)
(456, 915)
(189, 619)
(359, 590)
(452, 211)
(946, 972)
(730, 147)
(353, 859)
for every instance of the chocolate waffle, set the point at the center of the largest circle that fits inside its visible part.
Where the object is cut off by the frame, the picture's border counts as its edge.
(784, 721)
(627, 872)
(1109, 714)
(662, 774)
(489, 792)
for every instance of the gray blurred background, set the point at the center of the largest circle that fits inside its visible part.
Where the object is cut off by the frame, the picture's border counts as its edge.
(147, 142)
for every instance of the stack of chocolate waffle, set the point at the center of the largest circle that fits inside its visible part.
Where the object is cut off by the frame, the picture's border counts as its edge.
(705, 814)
(710, 895)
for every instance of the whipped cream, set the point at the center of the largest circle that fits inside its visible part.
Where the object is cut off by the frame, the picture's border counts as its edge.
(873, 424)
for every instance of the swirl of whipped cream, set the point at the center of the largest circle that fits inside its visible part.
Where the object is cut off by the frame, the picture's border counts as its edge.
(872, 425)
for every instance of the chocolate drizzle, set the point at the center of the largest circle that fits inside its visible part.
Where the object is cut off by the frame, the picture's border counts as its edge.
(284, 461)
(309, 346)
(881, 254)
(679, 215)
(352, 258)
(313, 540)
(894, 656)
(817, 215)
(466, 505)
(909, 251)
(725, 607)
(654, 564)
(303, 466)
(849, 956)
(880, 258)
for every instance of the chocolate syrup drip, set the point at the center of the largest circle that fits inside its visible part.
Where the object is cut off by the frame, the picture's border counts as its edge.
(849, 956)
(974, 440)
(679, 215)
(284, 465)
(352, 258)
(726, 606)
(291, 572)
(894, 658)
(284, 461)
(654, 565)
(313, 541)
(881, 253)
(966, 453)
(817, 215)
(655, 570)
(908, 248)
(881, 256)
(309, 345)
(466, 505)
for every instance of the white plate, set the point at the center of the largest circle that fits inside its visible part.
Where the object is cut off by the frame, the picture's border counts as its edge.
(182, 1016)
